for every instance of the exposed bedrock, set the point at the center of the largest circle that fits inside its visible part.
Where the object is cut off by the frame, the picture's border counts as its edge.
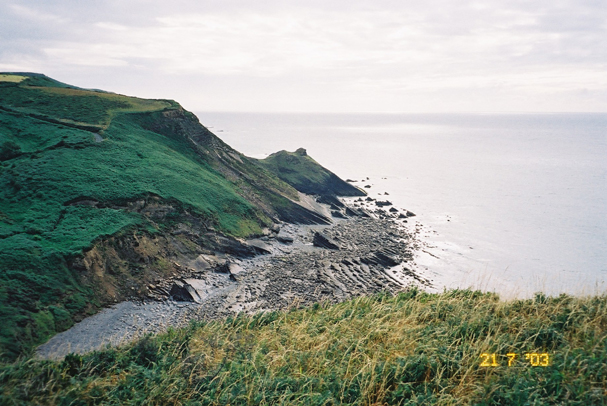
(374, 256)
(322, 241)
(332, 201)
(183, 291)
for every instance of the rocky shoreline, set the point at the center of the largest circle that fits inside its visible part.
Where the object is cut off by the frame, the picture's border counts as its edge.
(367, 249)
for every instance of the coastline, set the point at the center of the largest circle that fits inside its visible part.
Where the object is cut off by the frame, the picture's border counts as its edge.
(368, 250)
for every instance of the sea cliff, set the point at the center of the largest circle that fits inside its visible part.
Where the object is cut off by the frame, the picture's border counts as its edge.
(107, 198)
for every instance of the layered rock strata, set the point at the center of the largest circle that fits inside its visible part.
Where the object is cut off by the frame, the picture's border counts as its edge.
(368, 255)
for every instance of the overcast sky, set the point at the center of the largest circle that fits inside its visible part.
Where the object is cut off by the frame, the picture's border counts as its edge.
(321, 56)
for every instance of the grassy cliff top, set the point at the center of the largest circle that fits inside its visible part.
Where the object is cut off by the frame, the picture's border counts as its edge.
(306, 175)
(48, 98)
(411, 349)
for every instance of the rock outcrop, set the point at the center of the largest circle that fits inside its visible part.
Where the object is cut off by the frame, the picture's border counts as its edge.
(322, 241)
(183, 291)
(306, 175)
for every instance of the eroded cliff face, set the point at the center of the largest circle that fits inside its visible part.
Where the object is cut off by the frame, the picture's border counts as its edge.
(128, 266)
(273, 197)
(143, 263)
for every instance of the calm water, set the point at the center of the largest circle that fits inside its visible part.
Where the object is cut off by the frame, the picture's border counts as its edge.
(511, 203)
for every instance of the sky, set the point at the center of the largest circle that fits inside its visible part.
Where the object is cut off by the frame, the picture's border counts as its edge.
(321, 56)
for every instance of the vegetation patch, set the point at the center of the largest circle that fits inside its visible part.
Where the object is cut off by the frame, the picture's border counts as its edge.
(410, 349)
(12, 78)
(72, 105)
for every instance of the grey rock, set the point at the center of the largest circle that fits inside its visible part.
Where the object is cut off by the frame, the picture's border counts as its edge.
(184, 292)
(222, 266)
(285, 239)
(357, 212)
(384, 203)
(387, 259)
(235, 271)
(323, 241)
(260, 246)
(338, 214)
(330, 200)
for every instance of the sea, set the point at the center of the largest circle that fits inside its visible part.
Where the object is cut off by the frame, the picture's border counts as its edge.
(510, 203)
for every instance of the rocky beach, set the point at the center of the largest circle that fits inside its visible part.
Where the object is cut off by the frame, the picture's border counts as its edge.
(123, 216)
(368, 248)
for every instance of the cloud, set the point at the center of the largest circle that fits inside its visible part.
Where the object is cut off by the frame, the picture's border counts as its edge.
(111, 26)
(342, 50)
(97, 55)
(37, 16)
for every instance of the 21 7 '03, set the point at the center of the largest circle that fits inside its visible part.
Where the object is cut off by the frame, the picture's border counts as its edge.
(534, 359)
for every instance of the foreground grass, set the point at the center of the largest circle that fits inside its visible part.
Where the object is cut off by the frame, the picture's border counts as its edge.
(414, 348)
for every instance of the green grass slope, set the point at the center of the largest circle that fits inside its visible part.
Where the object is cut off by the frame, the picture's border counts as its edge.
(306, 175)
(410, 349)
(72, 159)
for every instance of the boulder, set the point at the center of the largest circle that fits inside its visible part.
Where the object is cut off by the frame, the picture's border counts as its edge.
(285, 239)
(352, 212)
(381, 258)
(384, 203)
(231, 246)
(410, 214)
(260, 246)
(222, 266)
(363, 213)
(184, 292)
(338, 214)
(201, 264)
(323, 241)
(333, 201)
(387, 260)
(235, 271)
